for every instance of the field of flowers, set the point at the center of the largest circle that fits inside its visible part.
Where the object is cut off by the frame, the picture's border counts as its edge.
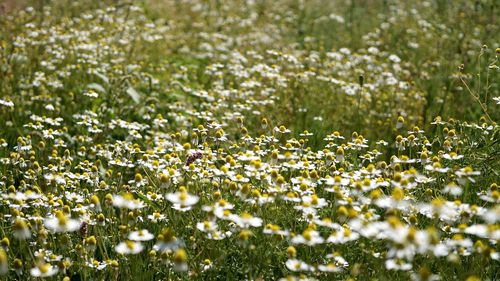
(249, 140)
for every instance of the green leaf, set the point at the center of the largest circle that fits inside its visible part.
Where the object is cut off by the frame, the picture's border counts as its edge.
(97, 87)
(103, 77)
(134, 94)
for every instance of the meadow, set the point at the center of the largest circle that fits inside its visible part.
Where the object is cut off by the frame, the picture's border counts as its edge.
(249, 140)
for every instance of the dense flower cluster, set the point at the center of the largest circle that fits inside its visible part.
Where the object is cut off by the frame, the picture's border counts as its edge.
(110, 166)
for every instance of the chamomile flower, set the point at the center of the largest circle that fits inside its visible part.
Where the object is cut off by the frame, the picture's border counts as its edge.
(140, 235)
(453, 189)
(180, 260)
(298, 265)
(308, 237)
(44, 270)
(276, 230)
(62, 223)
(127, 201)
(397, 264)
(92, 263)
(167, 241)
(129, 247)
(4, 264)
(282, 130)
(330, 267)
(21, 230)
(182, 200)
(246, 220)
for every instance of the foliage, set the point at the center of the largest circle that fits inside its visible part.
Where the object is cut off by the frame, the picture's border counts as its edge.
(252, 140)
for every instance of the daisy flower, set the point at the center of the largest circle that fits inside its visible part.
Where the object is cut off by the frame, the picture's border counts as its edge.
(44, 270)
(140, 235)
(246, 220)
(127, 201)
(182, 200)
(298, 265)
(129, 247)
(21, 230)
(309, 237)
(61, 223)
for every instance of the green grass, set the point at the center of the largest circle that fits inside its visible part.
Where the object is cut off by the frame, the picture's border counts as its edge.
(103, 100)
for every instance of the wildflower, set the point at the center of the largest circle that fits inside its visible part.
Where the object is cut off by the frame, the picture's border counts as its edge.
(127, 201)
(140, 235)
(397, 264)
(18, 266)
(167, 241)
(246, 220)
(182, 200)
(207, 264)
(44, 270)
(5, 243)
(344, 235)
(465, 174)
(308, 237)
(424, 274)
(453, 189)
(330, 267)
(400, 122)
(180, 260)
(244, 235)
(156, 217)
(452, 156)
(315, 201)
(61, 223)
(207, 226)
(129, 247)
(275, 229)
(436, 167)
(21, 230)
(3, 262)
(92, 263)
(298, 265)
(96, 203)
(340, 155)
(400, 142)
(282, 130)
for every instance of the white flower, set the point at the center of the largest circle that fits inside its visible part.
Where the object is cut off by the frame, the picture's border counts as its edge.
(393, 264)
(182, 198)
(129, 248)
(61, 223)
(276, 230)
(298, 265)
(207, 226)
(141, 235)
(127, 201)
(21, 229)
(246, 220)
(452, 156)
(331, 267)
(342, 236)
(96, 264)
(43, 270)
(4, 264)
(453, 189)
(436, 167)
(308, 237)
(6, 103)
